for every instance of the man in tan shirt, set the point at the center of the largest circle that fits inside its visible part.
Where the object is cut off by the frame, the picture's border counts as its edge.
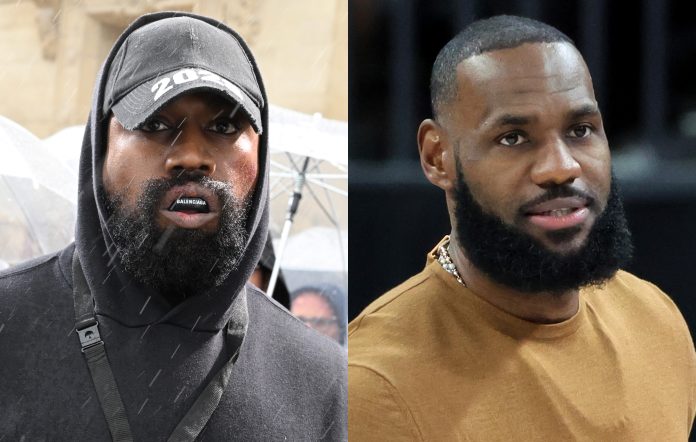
(521, 326)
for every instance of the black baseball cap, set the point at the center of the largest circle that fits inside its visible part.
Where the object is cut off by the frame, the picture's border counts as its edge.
(166, 58)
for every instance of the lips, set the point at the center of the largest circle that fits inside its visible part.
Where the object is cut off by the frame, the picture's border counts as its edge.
(190, 206)
(559, 213)
(190, 197)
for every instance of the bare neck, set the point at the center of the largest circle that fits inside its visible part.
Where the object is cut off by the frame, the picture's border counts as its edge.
(542, 307)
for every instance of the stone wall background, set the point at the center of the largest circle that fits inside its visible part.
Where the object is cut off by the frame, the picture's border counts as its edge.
(51, 50)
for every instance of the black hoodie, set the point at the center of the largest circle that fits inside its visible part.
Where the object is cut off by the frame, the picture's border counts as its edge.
(288, 383)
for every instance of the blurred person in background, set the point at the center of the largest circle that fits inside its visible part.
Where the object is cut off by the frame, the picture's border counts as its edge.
(521, 325)
(321, 307)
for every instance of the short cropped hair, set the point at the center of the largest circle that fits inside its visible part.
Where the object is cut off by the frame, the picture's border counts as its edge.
(490, 34)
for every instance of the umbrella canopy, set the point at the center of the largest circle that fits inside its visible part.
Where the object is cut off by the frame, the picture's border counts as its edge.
(309, 204)
(38, 197)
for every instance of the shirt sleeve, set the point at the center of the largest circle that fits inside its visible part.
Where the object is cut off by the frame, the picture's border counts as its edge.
(376, 411)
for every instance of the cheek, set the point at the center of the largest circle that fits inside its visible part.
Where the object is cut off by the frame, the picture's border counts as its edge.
(113, 168)
(125, 168)
(246, 173)
(241, 168)
(493, 189)
(597, 172)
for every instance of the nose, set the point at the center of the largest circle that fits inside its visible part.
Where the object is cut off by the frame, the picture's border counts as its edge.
(190, 151)
(555, 165)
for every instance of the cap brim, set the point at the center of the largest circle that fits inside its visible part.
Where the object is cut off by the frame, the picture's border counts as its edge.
(142, 102)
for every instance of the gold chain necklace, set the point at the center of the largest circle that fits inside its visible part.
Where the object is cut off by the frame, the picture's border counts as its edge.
(443, 257)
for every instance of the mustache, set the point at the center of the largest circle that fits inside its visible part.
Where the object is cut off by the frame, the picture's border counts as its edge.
(156, 188)
(188, 176)
(152, 191)
(560, 191)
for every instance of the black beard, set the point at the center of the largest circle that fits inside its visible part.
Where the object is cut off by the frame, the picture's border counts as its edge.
(516, 259)
(177, 262)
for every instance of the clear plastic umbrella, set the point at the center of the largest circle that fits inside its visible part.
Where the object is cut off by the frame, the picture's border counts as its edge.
(309, 204)
(38, 197)
(309, 216)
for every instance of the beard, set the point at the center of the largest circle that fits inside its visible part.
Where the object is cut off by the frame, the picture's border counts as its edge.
(177, 262)
(516, 259)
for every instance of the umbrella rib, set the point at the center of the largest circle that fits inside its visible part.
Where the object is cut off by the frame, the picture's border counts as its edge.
(328, 187)
(338, 229)
(281, 166)
(329, 176)
(321, 206)
(284, 189)
(332, 219)
(341, 167)
(324, 176)
(292, 160)
(317, 163)
(331, 206)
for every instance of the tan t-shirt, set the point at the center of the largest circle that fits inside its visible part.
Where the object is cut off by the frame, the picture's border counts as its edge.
(431, 361)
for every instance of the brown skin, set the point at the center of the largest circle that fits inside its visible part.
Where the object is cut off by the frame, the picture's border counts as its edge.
(558, 139)
(193, 132)
(260, 278)
(313, 305)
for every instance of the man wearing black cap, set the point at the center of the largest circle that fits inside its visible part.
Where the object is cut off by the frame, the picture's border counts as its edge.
(145, 328)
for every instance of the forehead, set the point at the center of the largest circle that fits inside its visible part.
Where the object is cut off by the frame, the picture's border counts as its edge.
(527, 78)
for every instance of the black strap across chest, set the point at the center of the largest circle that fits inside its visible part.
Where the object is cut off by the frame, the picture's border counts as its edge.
(114, 411)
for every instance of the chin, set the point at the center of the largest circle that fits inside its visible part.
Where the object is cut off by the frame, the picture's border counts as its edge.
(565, 242)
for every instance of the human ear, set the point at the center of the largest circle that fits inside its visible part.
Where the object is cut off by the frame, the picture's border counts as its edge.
(435, 154)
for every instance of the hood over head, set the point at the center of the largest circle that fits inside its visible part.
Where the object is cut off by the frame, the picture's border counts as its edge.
(187, 52)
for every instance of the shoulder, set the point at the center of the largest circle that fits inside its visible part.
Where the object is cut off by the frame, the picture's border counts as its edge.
(653, 319)
(279, 332)
(401, 318)
(36, 305)
(35, 293)
(45, 272)
(635, 296)
(399, 302)
(632, 303)
(395, 328)
(305, 368)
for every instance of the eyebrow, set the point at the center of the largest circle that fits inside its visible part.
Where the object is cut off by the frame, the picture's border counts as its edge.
(512, 120)
(584, 111)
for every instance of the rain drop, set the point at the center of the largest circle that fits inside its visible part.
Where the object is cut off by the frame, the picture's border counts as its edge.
(196, 323)
(144, 305)
(155, 378)
(86, 402)
(214, 265)
(175, 350)
(143, 335)
(178, 134)
(180, 391)
(143, 406)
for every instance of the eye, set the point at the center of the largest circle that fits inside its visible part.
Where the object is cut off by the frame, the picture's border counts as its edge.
(153, 125)
(580, 131)
(224, 126)
(512, 139)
